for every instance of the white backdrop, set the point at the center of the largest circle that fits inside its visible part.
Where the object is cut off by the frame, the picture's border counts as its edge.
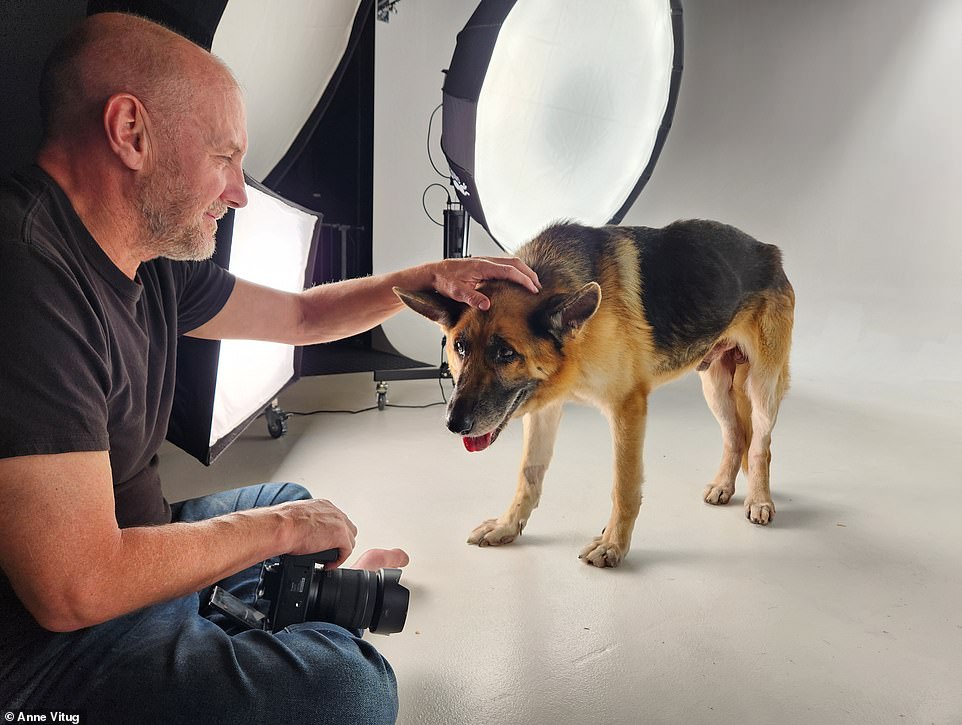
(830, 129)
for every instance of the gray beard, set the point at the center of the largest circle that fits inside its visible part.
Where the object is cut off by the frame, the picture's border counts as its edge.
(183, 245)
(168, 235)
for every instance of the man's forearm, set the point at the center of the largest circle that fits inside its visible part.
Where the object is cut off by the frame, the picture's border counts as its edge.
(149, 564)
(119, 570)
(342, 309)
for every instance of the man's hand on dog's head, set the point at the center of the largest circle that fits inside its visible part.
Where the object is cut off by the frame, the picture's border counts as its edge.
(459, 278)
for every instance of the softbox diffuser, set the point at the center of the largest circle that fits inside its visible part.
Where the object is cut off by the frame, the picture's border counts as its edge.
(288, 57)
(224, 385)
(558, 109)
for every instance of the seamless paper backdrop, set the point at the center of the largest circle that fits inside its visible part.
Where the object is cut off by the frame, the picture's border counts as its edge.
(828, 129)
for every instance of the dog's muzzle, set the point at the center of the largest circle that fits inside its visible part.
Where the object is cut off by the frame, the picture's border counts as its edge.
(463, 418)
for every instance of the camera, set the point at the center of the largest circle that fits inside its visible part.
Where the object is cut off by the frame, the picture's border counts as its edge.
(297, 588)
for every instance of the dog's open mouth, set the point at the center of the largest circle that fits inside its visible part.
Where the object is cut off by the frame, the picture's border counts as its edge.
(473, 444)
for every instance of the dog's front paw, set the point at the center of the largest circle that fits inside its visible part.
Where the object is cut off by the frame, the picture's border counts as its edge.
(494, 533)
(759, 512)
(602, 553)
(718, 495)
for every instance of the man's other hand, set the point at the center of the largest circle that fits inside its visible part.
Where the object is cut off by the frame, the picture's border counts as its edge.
(374, 559)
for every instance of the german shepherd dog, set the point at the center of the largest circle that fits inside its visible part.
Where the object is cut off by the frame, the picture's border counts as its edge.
(623, 310)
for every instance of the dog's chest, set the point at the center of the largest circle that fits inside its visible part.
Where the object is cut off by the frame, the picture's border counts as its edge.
(593, 385)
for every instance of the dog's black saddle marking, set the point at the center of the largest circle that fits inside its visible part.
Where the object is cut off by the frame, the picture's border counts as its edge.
(695, 276)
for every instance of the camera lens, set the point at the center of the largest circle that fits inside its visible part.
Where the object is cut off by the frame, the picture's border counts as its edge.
(359, 599)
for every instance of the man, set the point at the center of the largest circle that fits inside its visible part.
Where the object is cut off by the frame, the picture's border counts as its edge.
(102, 265)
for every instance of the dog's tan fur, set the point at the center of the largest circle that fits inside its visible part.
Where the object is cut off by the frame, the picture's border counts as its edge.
(601, 350)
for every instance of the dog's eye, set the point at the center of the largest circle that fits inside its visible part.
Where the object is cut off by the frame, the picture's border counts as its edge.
(459, 346)
(506, 355)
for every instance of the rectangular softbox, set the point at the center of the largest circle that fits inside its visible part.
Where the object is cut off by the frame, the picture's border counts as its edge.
(222, 386)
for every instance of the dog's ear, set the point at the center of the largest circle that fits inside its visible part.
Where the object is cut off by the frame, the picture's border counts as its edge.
(433, 305)
(567, 313)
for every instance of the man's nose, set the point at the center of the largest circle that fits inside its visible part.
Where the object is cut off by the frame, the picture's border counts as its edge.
(235, 195)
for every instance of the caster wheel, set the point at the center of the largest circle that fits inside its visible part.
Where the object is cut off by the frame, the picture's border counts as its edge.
(276, 421)
(381, 389)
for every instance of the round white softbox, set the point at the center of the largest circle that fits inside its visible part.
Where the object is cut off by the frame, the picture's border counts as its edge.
(558, 109)
(284, 56)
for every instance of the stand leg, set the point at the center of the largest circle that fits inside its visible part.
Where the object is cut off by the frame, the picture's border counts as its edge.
(381, 389)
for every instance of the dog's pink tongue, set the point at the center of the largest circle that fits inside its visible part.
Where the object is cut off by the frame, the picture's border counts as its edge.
(477, 443)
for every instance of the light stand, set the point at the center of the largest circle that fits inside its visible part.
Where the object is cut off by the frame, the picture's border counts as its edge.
(456, 226)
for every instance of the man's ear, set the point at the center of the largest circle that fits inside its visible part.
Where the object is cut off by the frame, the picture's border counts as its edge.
(566, 314)
(126, 128)
(433, 305)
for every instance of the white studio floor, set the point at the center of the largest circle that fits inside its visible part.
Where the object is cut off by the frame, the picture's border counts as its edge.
(848, 609)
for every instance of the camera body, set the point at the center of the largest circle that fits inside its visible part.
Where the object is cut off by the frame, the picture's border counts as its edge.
(297, 588)
(290, 585)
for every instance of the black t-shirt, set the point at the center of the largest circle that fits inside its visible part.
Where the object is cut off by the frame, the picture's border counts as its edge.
(87, 355)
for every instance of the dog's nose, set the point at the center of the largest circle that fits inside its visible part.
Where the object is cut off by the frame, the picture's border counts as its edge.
(461, 425)
(460, 417)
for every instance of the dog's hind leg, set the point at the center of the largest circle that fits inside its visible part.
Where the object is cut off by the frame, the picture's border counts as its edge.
(717, 383)
(761, 386)
(627, 421)
(540, 429)
(765, 385)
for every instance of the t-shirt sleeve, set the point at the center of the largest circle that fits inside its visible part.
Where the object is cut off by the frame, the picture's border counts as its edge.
(54, 359)
(203, 290)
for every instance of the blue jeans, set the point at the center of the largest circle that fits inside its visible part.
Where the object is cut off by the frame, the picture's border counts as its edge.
(176, 663)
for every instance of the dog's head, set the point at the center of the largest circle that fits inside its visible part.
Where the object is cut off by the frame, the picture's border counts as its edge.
(504, 360)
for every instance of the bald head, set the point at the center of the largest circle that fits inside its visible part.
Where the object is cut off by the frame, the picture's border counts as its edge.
(112, 53)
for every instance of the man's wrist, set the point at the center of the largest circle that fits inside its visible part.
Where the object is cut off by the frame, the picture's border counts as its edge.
(282, 527)
(420, 278)
(270, 527)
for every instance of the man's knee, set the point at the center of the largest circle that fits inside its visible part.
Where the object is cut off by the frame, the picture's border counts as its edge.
(268, 494)
(368, 693)
(345, 676)
(237, 499)
(289, 492)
